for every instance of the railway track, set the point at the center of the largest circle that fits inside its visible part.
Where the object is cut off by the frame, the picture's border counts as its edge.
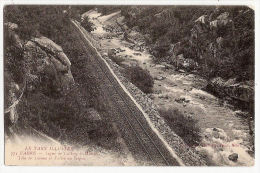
(139, 136)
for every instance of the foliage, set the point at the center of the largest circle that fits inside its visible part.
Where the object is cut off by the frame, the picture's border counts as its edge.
(185, 127)
(117, 59)
(65, 117)
(140, 78)
(107, 9)
(13, 58)
(43, 20)
(169, 25)
(87, 24)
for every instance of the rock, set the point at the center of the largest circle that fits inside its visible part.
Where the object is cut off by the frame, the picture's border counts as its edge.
(202, 97)
(215, 134)
(159, 77)
(180, 62)
(11, 26)
(163, 96)
(241, 91)
(49, 67)
(93, 115)
(213, 24)
(251, 153)
(167, 66)
(182, 100)
(222, 20)
(230, 81)
(218, 81)
(241, 114)
(223, 16)
(189, 64)
(202, 19)
(137, 54)
(215, 129)
(48, 45)
(182, 71)
(186, 101)
(233, 157)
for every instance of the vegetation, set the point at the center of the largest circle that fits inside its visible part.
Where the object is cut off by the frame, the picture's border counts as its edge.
(65, 118)
(140, 78)
(85, 23)
(105, 10)
(115, 58)
(184, 126)
(170, 25)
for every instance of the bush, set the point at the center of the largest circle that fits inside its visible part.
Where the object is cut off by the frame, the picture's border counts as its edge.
(85, 23)
(112, 55)
(140, 78)
(184, 126)
(117, 59)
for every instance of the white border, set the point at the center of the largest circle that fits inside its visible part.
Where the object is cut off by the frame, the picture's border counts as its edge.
(255, 169)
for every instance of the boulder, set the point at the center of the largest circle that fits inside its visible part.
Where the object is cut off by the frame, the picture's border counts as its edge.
(49, 68)
(159, 77)
(240, 91)
(213, 24)
(202, 19)
(223, 16)
(221, 20)
(48, 45)
(243, 91)
(233, 157)
(11, 26)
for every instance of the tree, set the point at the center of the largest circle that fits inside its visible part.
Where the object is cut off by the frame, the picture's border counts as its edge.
(89, 26)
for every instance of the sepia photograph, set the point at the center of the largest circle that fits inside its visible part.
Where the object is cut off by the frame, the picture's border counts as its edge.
(129, 85)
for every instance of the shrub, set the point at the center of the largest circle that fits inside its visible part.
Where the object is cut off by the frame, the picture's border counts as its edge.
(112, 55)
(184, 126)
(117, 59)
(87, 24)
(140, 78)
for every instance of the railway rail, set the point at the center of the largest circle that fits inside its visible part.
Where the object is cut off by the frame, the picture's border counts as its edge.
(135, 130)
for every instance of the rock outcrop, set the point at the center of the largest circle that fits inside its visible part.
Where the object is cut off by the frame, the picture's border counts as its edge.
(243, 91)
(49, 64)
(41, 66)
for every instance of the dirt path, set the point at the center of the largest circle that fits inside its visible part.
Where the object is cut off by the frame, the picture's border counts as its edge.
(223, 132)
